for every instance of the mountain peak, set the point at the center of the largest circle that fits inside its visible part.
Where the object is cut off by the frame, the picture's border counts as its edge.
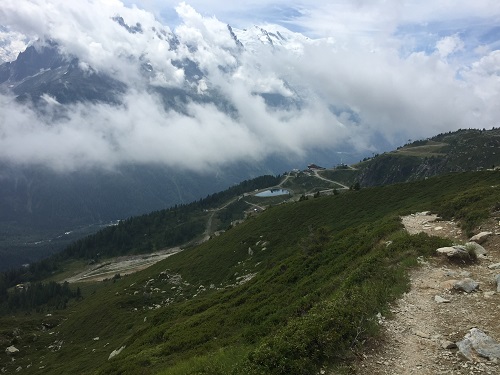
(271, 35)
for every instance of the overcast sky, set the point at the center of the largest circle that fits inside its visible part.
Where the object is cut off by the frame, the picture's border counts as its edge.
(364, 71)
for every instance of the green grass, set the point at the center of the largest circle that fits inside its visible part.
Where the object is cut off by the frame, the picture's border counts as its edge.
(222, 361)
(346, 177)
(429, 149)
(68, 268)
(303, 184)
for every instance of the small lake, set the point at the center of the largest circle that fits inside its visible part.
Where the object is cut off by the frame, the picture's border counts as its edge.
(272, 193)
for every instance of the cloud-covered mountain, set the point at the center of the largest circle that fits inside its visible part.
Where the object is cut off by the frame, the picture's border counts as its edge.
(198, 101)
(129, 89)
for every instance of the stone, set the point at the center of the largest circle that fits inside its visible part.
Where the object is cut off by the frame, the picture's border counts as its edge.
(440, 299)
(114, 353)
(454, 252)
(494, 266)
(446, 344)
(448, 284)
(467, 285)
(421, 334)
(477, 344)
(480, 237)
(478, 249)
(380, 318)
(497, 280)
(11, 350)
(56, 345)
(445, 250)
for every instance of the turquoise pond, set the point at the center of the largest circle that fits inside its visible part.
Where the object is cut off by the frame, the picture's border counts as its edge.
(272, 193)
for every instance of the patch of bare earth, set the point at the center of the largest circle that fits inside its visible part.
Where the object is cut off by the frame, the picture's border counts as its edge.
(415, 336)
(124, 265)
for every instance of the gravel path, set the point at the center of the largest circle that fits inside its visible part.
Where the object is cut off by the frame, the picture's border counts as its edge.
(414, 337)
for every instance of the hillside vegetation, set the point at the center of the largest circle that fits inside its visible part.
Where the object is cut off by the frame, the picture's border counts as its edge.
(460, 151)
(290, 291)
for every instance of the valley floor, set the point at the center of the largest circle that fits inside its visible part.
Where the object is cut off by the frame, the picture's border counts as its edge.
(414, 338)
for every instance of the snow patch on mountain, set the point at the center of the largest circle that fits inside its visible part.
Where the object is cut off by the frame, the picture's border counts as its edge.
(275, 36)
(11, 44)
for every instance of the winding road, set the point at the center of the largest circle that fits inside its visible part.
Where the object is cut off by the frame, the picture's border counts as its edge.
(316, 174)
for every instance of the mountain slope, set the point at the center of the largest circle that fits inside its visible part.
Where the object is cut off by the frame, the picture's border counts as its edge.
(42, 70)
(463, 150)
(459, 151)
(289, 291)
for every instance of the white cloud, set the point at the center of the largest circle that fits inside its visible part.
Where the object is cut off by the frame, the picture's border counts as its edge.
(448, 45)
(344, 89)
(140, 131)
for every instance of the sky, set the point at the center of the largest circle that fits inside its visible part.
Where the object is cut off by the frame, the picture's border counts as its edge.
(368, 76)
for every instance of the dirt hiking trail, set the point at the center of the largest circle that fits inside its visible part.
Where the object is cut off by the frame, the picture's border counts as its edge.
(427, 322)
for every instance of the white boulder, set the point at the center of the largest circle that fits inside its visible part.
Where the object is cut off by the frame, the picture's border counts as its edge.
(11, 350)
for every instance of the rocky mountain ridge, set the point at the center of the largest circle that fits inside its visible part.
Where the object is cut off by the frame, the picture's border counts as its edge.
(44, 69)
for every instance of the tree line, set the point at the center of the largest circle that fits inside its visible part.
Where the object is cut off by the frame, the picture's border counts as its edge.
(36, 296)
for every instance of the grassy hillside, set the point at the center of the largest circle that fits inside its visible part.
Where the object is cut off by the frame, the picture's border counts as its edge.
(460, 151)
(290, 291)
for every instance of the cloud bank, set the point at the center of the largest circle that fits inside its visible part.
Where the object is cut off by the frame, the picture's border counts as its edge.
(347, 87)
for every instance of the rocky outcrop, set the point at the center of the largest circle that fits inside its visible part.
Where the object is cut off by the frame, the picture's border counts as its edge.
(477, 344)
(478, 249)
(56, 345)
(440, 299)
(457, 252)
(480, 237)
(466, 285)
(114, 353)
(12, 350)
